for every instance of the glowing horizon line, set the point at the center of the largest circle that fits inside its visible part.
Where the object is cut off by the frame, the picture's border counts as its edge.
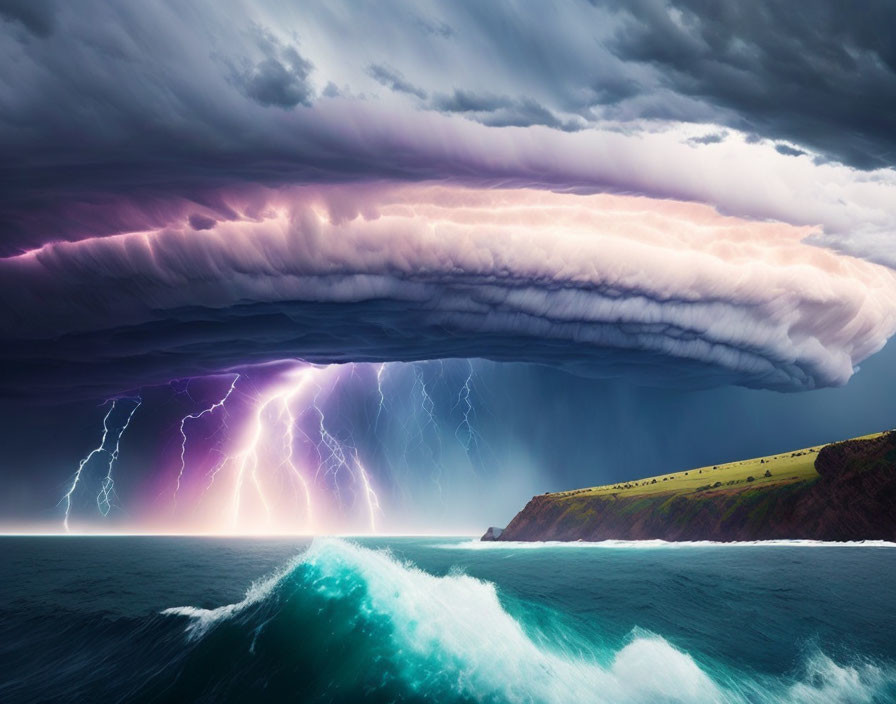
(211, 534)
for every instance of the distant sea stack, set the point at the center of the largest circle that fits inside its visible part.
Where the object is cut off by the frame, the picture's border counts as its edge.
(843, 491)
(492, 534)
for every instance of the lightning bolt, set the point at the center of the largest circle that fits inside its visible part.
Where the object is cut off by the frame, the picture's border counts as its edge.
(335, 459)
(281, 411)
(107, 488)
(465, 432)
(194, 416)
(428, 406)
(380, 371)
(247, 461)
(289, 440)
(426, 402)
(248, 458)
(67, 498)
(373, 502)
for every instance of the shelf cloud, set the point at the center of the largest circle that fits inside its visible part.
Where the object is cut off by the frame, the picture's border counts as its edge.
(600, 284)
(676, 192)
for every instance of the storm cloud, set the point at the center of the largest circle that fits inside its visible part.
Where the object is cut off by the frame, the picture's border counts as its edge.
(601, 285)
(160, 111)
(819, 74)
(393, 79)
(185, 189)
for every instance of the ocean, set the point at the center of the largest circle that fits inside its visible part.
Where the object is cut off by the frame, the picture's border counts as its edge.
(177, 619)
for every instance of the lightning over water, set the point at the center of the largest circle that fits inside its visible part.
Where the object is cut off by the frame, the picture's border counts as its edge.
(380, 373)
(465, 431)
(281, 460)
(107, 489)
(300, 299)
(106, 492)
(195, 416)
(67, 497)
(292, 447)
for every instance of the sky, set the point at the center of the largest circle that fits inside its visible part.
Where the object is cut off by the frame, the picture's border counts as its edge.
(342, 267)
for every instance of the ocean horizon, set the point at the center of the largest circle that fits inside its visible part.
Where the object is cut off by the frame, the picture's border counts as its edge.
(434, 618)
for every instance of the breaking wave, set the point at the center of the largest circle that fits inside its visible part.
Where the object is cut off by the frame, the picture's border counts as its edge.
(346, 623)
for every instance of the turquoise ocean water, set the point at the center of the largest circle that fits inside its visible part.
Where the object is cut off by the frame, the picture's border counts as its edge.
(443, 620)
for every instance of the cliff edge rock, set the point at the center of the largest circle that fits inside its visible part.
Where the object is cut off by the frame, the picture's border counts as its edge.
(852, 497)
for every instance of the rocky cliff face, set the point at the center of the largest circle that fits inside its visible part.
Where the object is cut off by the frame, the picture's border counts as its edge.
(854, 498)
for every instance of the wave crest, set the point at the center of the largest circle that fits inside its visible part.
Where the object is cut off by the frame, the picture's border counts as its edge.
(345, 622)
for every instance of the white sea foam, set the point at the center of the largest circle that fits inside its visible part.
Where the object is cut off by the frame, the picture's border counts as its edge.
(825, 681)
(454, 630)
(452, 636)
(655, 544)
(201, 620)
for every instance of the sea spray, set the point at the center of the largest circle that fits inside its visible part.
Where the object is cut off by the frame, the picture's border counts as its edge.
(351, 622)
(449, 637)
(657, 544)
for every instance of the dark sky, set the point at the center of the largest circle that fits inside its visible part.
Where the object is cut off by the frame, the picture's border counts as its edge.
(539, 430)
(662, 229)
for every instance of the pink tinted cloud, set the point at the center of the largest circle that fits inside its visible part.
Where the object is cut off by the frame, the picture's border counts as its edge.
(589, 282)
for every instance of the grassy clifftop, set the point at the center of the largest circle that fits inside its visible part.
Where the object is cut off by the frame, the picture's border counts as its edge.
(841, 491)
(786, 467)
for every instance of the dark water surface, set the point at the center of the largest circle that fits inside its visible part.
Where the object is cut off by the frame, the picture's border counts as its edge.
(445, 620)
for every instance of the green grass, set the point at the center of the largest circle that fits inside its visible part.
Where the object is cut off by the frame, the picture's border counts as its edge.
(797, 465)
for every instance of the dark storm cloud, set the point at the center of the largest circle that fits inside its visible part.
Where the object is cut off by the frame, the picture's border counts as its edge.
(821, 74)
(394, 80)
(35, 15)
(787, 150)
(120, 123)
(272, 83)
(501, 111)
(159, 110)
(280, 79)
(711, 138)
(197, 342)
(201, 222)
(656, 290)
(164, 117)
(466, 101)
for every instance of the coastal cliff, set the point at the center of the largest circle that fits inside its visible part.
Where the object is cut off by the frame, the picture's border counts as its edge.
(842, 491)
